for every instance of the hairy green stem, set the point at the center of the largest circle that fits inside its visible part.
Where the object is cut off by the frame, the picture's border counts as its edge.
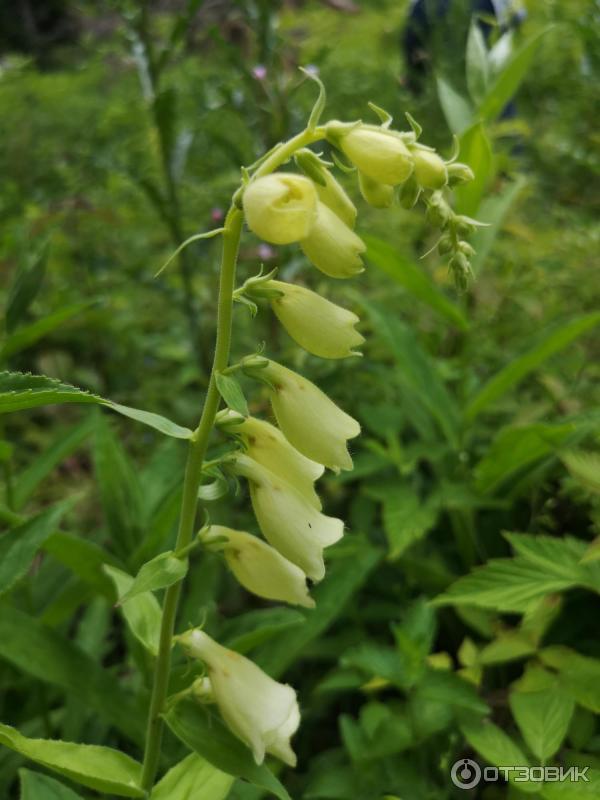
(197, 451)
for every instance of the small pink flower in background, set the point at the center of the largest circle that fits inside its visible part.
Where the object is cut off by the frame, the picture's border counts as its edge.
(265, 252)
(259, 72)
(312, 69)
(216, 214)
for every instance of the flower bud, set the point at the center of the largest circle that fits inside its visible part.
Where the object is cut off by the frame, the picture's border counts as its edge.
(445, 245)
(466, 249)
(430, 169)
(319, 326)
(332, 246)
(260, 568)
(261, 712)
(334, 197)
(267, 445)
(459, 173)
(289, 523)
(378, 195)
(378, 153)
(438, 211)
(280, 208)
(309, 419)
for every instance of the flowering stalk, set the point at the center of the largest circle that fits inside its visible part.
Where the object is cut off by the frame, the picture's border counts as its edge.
(281, 464)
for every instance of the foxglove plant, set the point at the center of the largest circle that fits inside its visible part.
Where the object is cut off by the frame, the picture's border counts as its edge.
(290, 196)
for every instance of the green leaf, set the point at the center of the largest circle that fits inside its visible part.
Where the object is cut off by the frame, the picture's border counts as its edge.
(579, 675)
(84, 558)
(493, 744)
(96, 767)
(37, 650)
(477, 63)
(505, 85)
(543, 718)
(503, 584)
(552, 342)
(476, 151)
(19, 390)
(36, 786)
(164, 570)
(19, 545)
(574, 790)
(414, 279)
(346, 575)
(406, 519)
(584, 468)
(28, 335)
(379, 661)
(231, 392)
(142, 613)
(450, 689)
(416, 369)
(26, 286)
(517, 449)
(509, 646)
(457, 109)
(206, 734)
(253, 628)
(59, 448)
(493, 211)
(556, 556)
(193, 779)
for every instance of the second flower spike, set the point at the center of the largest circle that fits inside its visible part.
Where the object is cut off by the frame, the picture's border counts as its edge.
(319, 326)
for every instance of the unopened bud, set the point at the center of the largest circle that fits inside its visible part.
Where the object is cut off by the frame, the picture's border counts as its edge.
(459, 173)
(444, 245)
(438, 212)
(280, 208)
(466, 249)
(430, 170)
(378, 195)
(381, 154)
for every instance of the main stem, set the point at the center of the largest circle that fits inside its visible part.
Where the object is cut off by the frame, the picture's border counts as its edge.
(197, 452)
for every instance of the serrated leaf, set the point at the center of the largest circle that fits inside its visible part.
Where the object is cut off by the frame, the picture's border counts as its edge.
(205, 733)
(162, 571)
(509, 646)
(543, 718)
(193, 779)
(585, 468)
(142, 613)
(504, 584)
(19, 391)
(231, 392)
(96, 767)
(579, 675)
(36, 786)
(552, 342)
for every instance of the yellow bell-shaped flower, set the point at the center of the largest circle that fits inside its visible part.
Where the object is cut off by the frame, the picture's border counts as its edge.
(309, 420)
(316, 324)
(334, 196)
(378, 195)
(332, 246)
(267, 445)
(280, 208)
(288, 521)
(260, 568)
(258, 710)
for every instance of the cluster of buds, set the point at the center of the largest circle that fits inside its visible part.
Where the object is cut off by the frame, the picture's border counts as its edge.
(281, 462)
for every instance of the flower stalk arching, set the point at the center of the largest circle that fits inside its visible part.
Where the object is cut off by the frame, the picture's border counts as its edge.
(231, 234)
(281, 464)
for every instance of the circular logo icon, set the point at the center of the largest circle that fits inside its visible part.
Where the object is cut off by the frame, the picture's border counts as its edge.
(465, 773)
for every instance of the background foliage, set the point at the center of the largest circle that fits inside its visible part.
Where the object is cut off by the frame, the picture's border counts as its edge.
(477, 478)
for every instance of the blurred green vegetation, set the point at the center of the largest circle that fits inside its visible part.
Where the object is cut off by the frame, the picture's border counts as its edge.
(104, 166)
